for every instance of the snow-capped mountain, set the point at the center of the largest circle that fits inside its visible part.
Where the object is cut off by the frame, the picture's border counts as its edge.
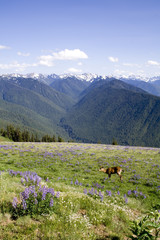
(89, 77)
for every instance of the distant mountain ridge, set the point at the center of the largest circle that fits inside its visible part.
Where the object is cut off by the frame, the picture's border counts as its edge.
(149, 84)
(84, 76)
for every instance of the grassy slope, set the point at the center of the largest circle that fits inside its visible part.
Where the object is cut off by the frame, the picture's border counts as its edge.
(71, 168)
(3, 139)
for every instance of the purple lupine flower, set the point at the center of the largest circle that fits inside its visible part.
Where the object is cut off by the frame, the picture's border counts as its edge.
(95, 192)
(14, 203)
(100, 195)
(118, 192)
(24, 204)
(129, 192)
(25, 194)
(85, 191)
(38, 180)
(51, 190)
(126, 200)
(109, 193)
(32, 189)
(135, 192)
(26, 178)
(91, 191)
(35, 194)
(58, 194)
(76, 182)
(44, 192)
(51, 202)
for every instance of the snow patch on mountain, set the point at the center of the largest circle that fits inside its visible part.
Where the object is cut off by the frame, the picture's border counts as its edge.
(89, 77)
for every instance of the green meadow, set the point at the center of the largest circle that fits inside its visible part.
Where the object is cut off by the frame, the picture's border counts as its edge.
(69, 198)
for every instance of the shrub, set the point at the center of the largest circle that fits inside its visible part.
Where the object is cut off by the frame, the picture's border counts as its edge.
(35, 200)
(147, 228)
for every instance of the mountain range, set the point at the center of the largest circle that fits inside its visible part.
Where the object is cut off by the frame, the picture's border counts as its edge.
(86, 107)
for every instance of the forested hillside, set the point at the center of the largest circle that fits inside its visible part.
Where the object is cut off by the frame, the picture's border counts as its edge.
(115, 110)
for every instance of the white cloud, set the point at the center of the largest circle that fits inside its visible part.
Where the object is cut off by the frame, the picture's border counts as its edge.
(2, 47)
(23, 54)
(113, 59)
(74, 70)
(131, 65)
(19, 66)
(153, 63)
(70, 54)
(75, 54)
(79, 64)
(122, 73)
(46, 60)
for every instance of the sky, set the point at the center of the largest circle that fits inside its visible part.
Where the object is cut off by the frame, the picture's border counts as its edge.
(105, 37)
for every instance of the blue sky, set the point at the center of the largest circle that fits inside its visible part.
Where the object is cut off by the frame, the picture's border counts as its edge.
(80, 36)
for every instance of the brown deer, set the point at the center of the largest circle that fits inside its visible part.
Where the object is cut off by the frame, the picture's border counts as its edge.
(112, 170)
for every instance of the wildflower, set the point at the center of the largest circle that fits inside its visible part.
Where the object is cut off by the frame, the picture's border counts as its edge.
(51, 202)
(14, 203)
(51, 190)
(44, 195)
(91, 191)
(101, 196)
(24, 204)
(129, 192)
(85, 191)
(76, 182)
(58, 194)
(109, 193)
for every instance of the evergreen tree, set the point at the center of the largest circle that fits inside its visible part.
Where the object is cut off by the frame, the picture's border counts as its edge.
(60, 139)
(53, 138)
(114, 142)
(32, 139)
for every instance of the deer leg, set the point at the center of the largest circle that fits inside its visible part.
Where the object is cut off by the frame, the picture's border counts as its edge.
(120, 176)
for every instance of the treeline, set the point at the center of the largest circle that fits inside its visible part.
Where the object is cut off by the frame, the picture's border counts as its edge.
(16, 135)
